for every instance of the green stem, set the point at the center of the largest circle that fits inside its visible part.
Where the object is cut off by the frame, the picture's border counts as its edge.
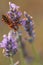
(22, 60)
(11, 60)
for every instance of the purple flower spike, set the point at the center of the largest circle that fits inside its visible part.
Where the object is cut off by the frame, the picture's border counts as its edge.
(28, 25)
(14, 12)
(9, 44)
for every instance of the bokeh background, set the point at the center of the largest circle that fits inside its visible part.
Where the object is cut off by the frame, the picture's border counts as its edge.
(35, 9)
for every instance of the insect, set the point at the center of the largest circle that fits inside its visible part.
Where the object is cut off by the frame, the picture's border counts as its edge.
(7, 19)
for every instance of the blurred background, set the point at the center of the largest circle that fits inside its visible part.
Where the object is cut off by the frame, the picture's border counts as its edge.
(35, 9)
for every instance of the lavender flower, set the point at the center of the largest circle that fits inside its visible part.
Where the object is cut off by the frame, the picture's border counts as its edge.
(9, 44)
(13, 12)
(28, 24)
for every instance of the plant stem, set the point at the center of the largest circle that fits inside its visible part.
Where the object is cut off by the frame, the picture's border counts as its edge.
(22, 60)
(11, 60)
